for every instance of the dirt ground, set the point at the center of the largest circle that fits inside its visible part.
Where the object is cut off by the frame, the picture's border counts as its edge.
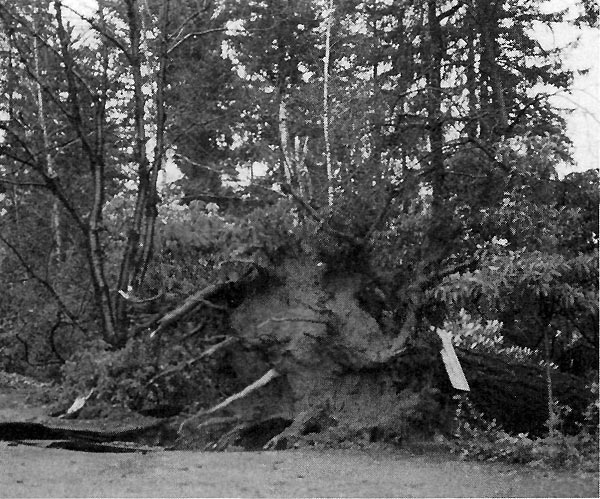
(33, 472)
(38, 472)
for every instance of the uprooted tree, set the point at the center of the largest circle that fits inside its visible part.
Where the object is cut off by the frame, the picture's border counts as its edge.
(301, 302)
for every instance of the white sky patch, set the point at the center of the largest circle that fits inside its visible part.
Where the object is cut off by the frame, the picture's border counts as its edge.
(247, 174)
(170, 172)
(583, 124)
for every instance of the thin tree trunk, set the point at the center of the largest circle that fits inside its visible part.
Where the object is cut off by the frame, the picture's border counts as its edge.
(487, 19)
(284, 138)
(326, 62)
(294, 156)
(551, 413)
(300, 152)
(471, 75)
(50, 169)
(159, 150)
(132, 253)
(497, 85)
(92, 230)
(437, 235)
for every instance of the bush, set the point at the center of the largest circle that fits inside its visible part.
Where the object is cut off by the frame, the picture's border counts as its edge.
(117, 377)
(483, 440)
(128, 377)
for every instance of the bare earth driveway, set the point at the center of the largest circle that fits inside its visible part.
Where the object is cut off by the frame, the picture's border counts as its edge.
(27, 471)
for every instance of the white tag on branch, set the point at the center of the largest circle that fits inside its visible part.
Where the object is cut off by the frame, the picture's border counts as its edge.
(451, 362)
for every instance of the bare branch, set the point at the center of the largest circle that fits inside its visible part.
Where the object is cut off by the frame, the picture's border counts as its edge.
(194, 34)
(22, 184)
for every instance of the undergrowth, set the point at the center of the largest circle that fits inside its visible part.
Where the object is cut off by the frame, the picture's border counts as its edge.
(480, 439)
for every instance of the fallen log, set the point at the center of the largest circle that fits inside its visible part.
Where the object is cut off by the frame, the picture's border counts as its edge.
(29, 430)
(87, 446)
(515, 394)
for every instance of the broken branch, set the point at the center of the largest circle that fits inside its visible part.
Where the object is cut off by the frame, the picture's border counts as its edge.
(181, 366)
(259, 383)
(270, 375)
(188, 305)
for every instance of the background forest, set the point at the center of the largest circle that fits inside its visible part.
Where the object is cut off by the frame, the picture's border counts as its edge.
(353, 178)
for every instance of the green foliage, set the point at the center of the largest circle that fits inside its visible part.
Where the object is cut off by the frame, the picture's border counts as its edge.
(118, 377)
(484, 336)
(539, 289)
(483, 440)
(504, 274)
(131, 377)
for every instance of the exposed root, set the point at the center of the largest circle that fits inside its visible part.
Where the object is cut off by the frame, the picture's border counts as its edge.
(259, 383)
(294, 431)
(230, 437)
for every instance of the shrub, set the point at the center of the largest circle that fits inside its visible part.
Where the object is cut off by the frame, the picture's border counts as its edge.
(117, 377)
(483, 440)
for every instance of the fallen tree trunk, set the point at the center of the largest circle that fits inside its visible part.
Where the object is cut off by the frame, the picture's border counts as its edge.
(27, 430)
(515, 394)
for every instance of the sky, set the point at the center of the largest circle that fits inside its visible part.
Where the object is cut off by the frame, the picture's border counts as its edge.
(583, 124)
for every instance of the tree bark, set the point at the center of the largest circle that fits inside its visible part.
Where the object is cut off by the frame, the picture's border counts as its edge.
(50, 169)
(159, 150)
(548, 359)
(487, 20)
(437, 235)
(132, 253)
(471, 76)
(326, 62)
(92, 229)
(294, 159)
(284, 138)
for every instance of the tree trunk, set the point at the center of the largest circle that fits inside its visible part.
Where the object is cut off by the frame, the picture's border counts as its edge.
(151, 212)
(50, 169)
(489, 49)
(92, 230)
(437, 235)
(326, 62)
(304, 180)
(497, 119)
(284, 139)
(132, 254)
(471, 75)
(548, 359)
